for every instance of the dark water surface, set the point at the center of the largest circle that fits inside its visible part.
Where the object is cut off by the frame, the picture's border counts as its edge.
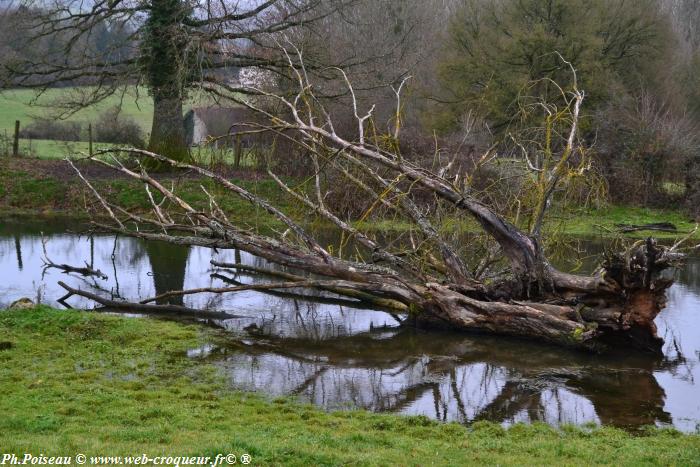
(338, 355)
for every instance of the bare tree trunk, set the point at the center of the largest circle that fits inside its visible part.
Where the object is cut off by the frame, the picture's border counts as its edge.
(168, 130)
(165, 54)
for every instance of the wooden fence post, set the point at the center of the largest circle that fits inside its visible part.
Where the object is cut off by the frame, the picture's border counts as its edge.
(15, 142)
(90, 139)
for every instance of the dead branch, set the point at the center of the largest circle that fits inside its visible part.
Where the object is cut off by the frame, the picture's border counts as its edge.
(289, 294)
(361, 296)
(144, 308)
(314, 284)
(658, 226)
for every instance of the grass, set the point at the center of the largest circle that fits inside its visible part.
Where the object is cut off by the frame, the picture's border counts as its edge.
(25, 192)
(79, 382)
(53, 149)
(603, 220)
(22, 192)
(24, 105)
(136, 104)
(579, 222)
(206, 155)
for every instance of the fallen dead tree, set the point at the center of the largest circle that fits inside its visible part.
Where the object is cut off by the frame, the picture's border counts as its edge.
(523, 295)
(658, 226)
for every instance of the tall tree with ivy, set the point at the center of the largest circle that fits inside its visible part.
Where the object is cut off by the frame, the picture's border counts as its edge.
(165, 55)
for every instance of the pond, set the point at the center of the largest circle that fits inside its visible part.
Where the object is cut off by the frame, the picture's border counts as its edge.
(339, 355)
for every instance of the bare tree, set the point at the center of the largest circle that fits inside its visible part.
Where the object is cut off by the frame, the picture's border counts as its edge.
(426, 273)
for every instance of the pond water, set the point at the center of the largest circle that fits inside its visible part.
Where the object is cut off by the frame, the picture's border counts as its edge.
(339, 355)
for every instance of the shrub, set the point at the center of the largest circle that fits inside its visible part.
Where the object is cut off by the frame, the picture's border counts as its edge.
(113, 127)
(643, 146)
(60, 130)
(692, 186)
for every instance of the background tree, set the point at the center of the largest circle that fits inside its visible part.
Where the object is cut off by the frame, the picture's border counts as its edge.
(646, 147)
(169, 46)
(637, 61)
(497, 48)
(685, 17)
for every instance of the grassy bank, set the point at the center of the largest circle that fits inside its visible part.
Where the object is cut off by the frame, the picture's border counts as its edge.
(30, 188)
(603, 221)
(27, 188)
(52, 149)
(25, 105)
(77, 382)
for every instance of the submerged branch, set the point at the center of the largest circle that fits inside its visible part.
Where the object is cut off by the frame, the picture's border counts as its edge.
(132, 307)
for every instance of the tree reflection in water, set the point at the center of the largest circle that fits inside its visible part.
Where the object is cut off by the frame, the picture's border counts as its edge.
(168, 264)
(452, 377)
(338, 353)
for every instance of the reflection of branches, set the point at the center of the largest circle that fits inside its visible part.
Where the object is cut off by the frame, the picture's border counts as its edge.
(66, 268)
(457, 394)
(623, 397)
(513, 398)
(310, 380)
(94, 285)
(677, 361)
(465, 388)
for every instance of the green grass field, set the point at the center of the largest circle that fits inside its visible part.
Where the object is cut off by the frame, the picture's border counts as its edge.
(24, 105)
(19, 105)
(52, 149)
(603, 220)
(79, 382)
